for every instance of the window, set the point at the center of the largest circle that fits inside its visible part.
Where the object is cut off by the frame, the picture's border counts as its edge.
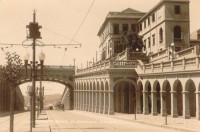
(154, 41)
(133, 28)
(141, 27)
(125, 28)
(115, 28)
(144, 24)
(161, 35)
(153, 17)
(177, 32)
(117, 47)
(149, 42)
(145, 42)
(148, 21)
(177, 9)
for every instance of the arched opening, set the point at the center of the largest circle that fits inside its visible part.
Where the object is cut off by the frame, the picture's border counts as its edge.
(167, 96)
(93, 96)
(157, 97)
(140, 97)
(190, 98)
(124, 95)
(178, 98)
(49, 93)
(106, 98)
(97, 97)
(101, 98)
(149, 97)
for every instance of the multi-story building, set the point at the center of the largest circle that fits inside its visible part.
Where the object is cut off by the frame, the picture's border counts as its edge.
(166, 23)
(168, 82)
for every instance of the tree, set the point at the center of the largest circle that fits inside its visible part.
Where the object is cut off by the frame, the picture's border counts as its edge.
(132, 41)
(12, 71)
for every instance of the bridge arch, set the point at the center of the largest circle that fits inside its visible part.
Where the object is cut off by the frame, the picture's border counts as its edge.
(67, 85)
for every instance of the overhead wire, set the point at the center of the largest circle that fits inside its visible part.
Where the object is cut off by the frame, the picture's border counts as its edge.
(88, 11)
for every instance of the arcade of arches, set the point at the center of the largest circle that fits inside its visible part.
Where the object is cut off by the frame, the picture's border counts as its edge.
(179, 98)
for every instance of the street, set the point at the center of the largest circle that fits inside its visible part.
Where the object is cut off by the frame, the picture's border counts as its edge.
(77, 121)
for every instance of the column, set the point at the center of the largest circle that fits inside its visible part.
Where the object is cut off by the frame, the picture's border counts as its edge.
(145, 103)
(198, 105)
(154, 103)
(97, 101)
(186, 109)
(138, 100)
(163, 103)
(174, 112)
(111, 103)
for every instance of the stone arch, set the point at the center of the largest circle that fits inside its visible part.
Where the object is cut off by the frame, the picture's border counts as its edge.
(97, 96)
(177, 99)
(147, 98)
(124, 96)
(139, 97)
(101, 96)
(67, 84)
(190, 98)
(156, 102)
(106, 97)
(166, 96)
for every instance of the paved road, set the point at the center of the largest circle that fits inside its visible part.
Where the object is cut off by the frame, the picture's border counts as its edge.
(75, 121)
(20, 120)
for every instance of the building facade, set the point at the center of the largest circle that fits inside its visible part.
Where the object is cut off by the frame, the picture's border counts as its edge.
(123, 81)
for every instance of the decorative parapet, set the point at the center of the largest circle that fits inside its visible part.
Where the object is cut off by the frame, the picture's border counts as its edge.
(109, 64)
(188, 52)
(178, 65)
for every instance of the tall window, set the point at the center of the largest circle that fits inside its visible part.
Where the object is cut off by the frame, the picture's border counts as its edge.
(115, 28)
(141, 27)
(177, 32)
(145, 24)
(148, 21)
(153, 17)
(149, 42)
(161, 35)
(177, 9)
(145, 42)
(154, 41)
(125, 28)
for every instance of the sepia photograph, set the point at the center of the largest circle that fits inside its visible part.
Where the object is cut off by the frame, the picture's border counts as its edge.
(99, 65)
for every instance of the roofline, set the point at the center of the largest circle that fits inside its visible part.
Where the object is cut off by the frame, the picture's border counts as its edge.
(108, 17)
(158, 5)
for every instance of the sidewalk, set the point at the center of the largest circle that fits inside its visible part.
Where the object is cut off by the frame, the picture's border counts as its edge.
(189, 125)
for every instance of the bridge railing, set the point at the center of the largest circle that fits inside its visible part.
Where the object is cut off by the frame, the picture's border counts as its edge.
(109, 64)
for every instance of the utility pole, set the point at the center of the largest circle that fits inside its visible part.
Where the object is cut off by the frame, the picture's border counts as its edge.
(34, 34)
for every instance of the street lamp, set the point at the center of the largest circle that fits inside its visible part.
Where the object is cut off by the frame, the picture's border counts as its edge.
(34, 67)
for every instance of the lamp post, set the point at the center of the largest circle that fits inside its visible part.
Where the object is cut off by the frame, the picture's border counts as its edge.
(172, 46)
(33, 34)
(34, 66)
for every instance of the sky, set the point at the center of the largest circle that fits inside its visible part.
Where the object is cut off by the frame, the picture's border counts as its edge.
(61, 19)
